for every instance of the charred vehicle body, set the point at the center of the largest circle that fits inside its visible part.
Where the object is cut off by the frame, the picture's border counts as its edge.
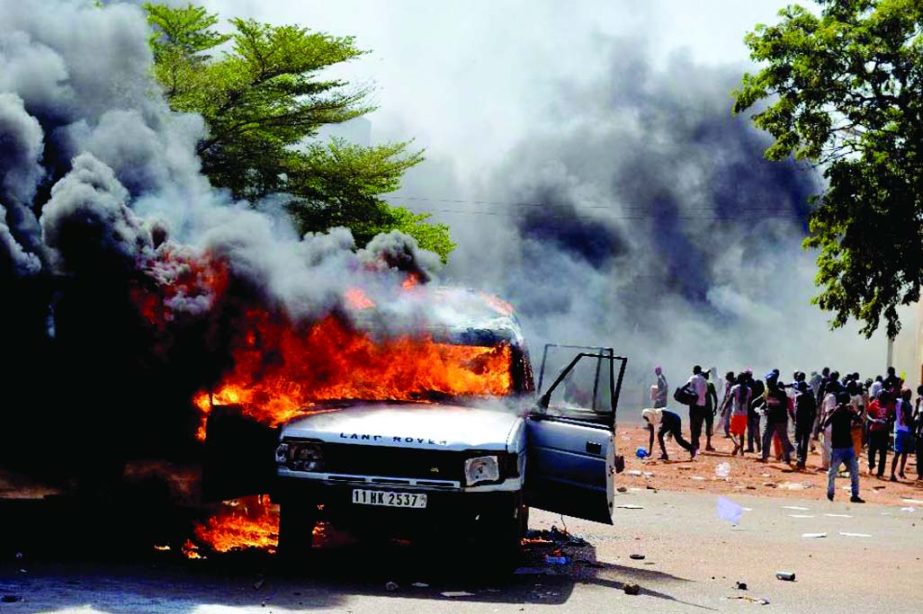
(468, 464)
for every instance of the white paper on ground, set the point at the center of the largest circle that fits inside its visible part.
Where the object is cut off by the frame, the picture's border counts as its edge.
(795, 507)
(908, 509)
(916, 501)
(814, 535)
(838, 515)
(630, 506)
(854, 534)
(801, 515)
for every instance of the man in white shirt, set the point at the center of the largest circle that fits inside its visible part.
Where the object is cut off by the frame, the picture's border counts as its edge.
(697, 412)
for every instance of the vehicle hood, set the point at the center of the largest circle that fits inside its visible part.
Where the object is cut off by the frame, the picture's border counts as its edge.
(413, 425)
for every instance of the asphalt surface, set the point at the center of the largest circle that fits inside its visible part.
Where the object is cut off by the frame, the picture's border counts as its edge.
(870, 560)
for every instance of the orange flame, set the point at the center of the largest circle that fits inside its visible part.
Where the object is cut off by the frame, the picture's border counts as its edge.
(282, 369)
(358, 300)
(250, 522)
(242, 524)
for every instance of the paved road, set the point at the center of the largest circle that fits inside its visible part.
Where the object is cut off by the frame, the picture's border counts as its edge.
(692, 561)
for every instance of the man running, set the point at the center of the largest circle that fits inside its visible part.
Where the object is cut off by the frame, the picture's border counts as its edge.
(669, 423)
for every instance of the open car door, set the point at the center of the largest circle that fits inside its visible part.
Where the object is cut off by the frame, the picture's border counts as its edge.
(571, 433)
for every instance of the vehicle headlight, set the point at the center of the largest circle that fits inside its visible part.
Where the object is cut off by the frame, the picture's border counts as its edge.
(299, 456)
(481, 469)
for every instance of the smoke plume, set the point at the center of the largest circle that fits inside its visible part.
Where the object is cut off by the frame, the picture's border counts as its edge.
(125, 274)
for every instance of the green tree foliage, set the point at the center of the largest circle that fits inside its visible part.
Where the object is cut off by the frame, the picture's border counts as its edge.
(844, 90)
(263, 98)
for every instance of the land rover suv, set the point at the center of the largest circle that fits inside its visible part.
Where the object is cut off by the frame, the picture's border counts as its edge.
(470, 466)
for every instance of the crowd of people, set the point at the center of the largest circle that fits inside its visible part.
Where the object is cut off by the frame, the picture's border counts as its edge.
(837, 415)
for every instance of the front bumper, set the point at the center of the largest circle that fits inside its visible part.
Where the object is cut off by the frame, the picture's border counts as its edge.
(456, 510)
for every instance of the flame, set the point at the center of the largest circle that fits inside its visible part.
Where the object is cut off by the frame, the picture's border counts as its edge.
(411, 282)
(242, 524)
(281, 370)
(245, 523)
(358, 300)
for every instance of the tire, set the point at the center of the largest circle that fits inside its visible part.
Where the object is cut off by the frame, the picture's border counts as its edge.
(501, 536)
(297, 518)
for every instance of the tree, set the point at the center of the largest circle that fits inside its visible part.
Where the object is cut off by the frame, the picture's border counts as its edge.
(844, 90)
(262, 97)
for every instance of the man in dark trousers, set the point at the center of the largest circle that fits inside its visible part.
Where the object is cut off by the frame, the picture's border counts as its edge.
(753, 415)
(776, 418)
(669, 423)
(879, 419)
(840, 420)
(698, 410)
(805, 414)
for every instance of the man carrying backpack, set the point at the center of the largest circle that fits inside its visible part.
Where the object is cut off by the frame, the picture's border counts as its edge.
(698, 410)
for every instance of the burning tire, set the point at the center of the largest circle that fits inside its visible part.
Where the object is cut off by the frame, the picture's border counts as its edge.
(297, 518)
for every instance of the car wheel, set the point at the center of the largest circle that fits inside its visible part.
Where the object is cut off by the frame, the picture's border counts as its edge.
(297, 518)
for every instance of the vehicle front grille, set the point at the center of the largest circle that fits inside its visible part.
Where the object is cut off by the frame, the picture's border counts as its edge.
(397, 462)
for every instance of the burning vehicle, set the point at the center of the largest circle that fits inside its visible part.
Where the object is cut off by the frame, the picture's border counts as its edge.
(439, 430)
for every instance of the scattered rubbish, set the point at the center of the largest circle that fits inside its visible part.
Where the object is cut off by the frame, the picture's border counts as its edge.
(801, 516)
(630, 506)
(556, 560)
(420, 585)
(795, 507)
(621, 489)
(749, 487)
(845, 534)
(908, 509)
(741, 586)
(698, 478)
(838, 515)
(788, 576)
(259, 584)
(723, 470)
(10, 598)
(728, 510)
(770, 485)
(635, 489)
(878, 487)
(391, 586)
(765, 475)
(641, 453)
(637, 557)
(456, 594)
(914, 501)
(649, 487)
(795, 485)
(756, 600)
(633, 472)
(632, 589)
(814, 535)
(647, 474)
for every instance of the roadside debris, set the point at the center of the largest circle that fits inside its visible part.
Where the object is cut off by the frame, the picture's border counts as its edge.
(637, 557)
(621, 489)
(795, 507)
(838, 515)
(908, 509)
(854, 534)
(723, 470)
(741, 586)
(456, 594)
(729, 511)
(814, 535)
(392, 586)
(630, 506)
(756, 600)
(801, 516)
(632, 589)
(788, 576)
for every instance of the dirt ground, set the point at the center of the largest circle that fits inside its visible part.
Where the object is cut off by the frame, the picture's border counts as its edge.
(747, 475)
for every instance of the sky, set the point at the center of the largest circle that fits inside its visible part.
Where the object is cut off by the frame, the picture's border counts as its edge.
(601, 109)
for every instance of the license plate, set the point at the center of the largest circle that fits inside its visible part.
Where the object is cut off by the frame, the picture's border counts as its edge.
(389, 498)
